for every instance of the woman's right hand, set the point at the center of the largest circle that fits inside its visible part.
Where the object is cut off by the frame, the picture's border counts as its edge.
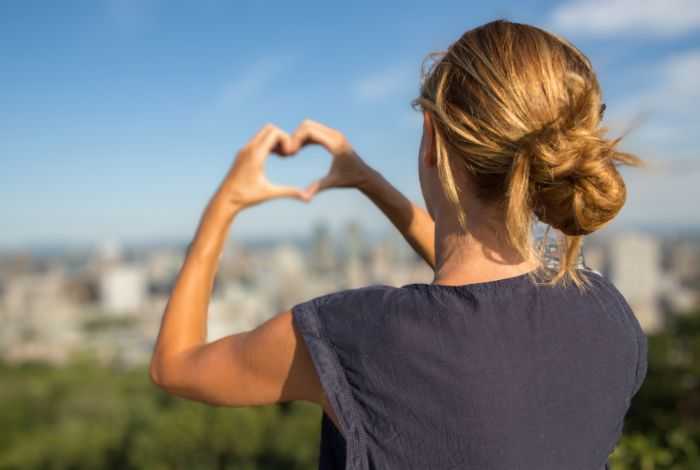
(347, 170)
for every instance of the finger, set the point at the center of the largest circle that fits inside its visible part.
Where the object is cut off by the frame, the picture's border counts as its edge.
(311, 190)
(284, 146)
(310, 132)
(319, 185)
(277, 191)
(274, 139)
(262, 132)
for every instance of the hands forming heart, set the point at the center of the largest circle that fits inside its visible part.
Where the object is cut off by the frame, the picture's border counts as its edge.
(246, 184)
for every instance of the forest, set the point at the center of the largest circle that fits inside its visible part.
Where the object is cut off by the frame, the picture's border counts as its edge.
(85, 415)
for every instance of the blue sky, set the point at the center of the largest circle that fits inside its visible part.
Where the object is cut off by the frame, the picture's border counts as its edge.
(118, 119)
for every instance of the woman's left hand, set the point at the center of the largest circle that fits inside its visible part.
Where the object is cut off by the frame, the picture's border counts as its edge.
(245, 183)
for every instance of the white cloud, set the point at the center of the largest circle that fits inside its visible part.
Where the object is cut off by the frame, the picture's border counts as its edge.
(256, 78)
(608, 17)
(395, 79)
(679, 88)
(675, 93)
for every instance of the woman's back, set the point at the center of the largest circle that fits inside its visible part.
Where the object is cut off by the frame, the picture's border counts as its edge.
(495, 375)
(481, 369)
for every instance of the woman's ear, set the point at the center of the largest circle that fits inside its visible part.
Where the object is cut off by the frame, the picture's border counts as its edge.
(429, 157)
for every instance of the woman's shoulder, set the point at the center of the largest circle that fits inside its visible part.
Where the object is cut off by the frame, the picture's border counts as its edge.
(355, 294)
(341, 311)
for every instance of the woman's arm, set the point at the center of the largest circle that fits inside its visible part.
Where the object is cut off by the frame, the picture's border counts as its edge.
(266, 365)
(414, 222)
(261, 366)
(349, 170)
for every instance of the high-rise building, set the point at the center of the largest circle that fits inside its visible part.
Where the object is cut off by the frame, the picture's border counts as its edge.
(110, 250)
(684, 260)
(123, 288)
(635, 269)
(355, 245)
(323, 259)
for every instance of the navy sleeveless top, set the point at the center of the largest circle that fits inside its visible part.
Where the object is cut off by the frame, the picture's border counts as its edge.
(498, 375)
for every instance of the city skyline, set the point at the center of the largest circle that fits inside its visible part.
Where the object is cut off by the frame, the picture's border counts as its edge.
(304, 237)
(111, 299)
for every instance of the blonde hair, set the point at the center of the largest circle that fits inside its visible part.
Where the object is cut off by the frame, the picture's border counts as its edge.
(519, 109)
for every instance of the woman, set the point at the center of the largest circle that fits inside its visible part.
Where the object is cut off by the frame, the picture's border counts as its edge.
(501, 362)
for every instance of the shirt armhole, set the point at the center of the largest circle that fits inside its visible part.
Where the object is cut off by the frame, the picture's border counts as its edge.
(307, 319)
(641, 369)
(640, 336)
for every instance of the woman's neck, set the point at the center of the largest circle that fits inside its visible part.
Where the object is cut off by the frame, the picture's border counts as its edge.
(481, 254)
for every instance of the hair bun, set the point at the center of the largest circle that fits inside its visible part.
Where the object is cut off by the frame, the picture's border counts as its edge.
(575, 185)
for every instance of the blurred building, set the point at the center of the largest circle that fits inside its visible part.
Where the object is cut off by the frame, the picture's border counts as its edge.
(110, 250)
(164, 264)
(355, 254)
(39, 319)
(285, 280)
(355, 243)
(684, 261)
(635, 269)
(323, 256)
(594, 256)
(241, 308)
(123, 288)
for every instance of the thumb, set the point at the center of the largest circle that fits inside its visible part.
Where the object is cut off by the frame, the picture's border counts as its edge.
(277, 191)
(319, 185)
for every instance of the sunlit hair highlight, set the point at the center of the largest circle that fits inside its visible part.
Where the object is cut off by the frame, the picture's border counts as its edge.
(519, 109)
